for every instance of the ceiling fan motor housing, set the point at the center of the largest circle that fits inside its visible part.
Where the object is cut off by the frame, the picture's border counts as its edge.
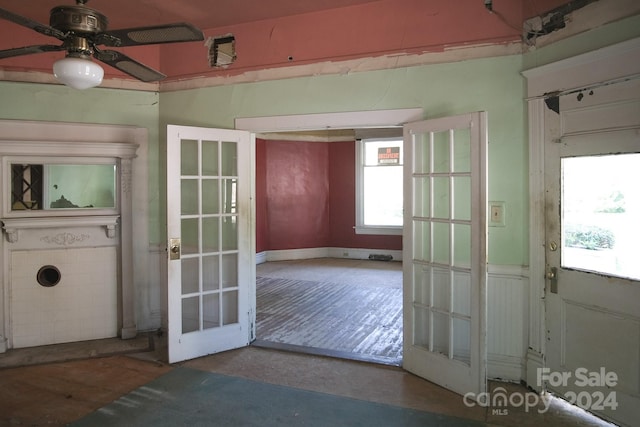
(78, 19)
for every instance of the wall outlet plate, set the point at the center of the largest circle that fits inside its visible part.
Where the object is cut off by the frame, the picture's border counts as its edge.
(496, 214)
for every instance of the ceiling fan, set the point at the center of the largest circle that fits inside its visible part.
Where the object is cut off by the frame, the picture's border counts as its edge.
(81, 30)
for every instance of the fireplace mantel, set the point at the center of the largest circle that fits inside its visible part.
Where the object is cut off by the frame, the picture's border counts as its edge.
(124, 226)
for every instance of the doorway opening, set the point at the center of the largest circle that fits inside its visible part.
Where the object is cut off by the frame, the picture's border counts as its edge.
(347, 314)
(321, 293)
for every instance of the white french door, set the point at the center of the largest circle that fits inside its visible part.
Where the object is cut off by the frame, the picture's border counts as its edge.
(444, 257)
(592, 298)
(211, 253)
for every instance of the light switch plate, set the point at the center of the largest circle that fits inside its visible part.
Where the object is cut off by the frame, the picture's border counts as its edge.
(496, 214)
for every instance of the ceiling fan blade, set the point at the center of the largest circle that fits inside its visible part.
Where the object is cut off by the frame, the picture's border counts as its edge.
(28, 50)
(127, 65)
(169, 33)
(26, 22)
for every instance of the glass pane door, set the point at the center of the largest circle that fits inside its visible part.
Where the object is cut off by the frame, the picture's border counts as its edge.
(445, 251)
(442, 264)
(212, 261)
(209, 221)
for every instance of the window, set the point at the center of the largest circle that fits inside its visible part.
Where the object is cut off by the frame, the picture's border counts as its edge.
(379, 186)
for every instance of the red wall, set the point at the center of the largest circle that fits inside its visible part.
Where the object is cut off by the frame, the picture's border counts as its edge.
(305, 197)
(262, 235)
(297, 194)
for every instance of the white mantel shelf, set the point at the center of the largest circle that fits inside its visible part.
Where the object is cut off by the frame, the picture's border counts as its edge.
(13, 225)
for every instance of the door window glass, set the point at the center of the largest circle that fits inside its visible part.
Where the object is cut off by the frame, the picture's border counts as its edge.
(600, 211)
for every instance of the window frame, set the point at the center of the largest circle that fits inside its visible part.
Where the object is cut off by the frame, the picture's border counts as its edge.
(360, 227)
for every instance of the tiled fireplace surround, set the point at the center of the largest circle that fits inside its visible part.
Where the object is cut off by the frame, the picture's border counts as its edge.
(100, 257)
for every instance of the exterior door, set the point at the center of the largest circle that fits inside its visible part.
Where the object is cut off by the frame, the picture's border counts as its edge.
(444, 257)
(592, 176)
(211, 253)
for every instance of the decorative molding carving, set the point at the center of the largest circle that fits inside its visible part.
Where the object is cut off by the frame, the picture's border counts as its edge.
(13, 225)
(12, 235)
(65, 239)
(126, 176)
(111, 230)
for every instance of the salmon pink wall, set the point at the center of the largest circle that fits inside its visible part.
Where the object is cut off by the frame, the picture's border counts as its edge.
(305, 197)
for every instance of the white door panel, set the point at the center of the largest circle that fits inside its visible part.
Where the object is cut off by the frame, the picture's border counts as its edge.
(445, 251)
(211, 255)
(592, 171)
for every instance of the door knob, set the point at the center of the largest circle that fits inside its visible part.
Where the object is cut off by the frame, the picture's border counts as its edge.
(551, 273)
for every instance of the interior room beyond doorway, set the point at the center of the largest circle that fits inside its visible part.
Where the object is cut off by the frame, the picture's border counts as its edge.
(344, 308)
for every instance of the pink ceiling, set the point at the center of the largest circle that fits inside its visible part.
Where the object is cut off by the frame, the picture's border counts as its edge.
(202, 13)
(269, 32)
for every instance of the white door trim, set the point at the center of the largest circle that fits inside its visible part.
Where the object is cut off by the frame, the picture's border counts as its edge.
(346, 120)
(601, 66)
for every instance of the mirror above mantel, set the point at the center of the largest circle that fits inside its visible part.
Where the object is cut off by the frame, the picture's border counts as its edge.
(67, 186)
(53, 183)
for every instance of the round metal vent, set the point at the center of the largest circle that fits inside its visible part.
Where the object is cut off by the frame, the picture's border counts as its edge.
(48, 276)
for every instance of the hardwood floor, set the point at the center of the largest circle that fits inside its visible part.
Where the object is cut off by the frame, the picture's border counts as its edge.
(344, 308)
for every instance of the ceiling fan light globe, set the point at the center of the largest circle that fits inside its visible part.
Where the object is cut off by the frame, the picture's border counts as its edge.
(78, 73)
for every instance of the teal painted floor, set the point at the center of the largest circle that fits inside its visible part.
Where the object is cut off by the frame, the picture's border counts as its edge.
(190, 397)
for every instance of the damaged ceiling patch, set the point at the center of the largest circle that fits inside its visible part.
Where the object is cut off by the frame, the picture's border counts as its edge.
(551, 21)
(222, 50)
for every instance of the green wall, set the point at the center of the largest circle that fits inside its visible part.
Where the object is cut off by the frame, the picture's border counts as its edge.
(30, 101)
(494, 85)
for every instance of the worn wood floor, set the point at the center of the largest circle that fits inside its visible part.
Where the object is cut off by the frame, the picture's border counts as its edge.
(344, 308)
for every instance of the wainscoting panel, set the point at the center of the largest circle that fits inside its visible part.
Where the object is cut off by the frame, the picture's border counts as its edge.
(507, 311)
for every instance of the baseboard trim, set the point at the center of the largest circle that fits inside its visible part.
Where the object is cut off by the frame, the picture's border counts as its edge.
(293, 254)
(534, 361)
(506, 368)
(261, 257)
(326, 252)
